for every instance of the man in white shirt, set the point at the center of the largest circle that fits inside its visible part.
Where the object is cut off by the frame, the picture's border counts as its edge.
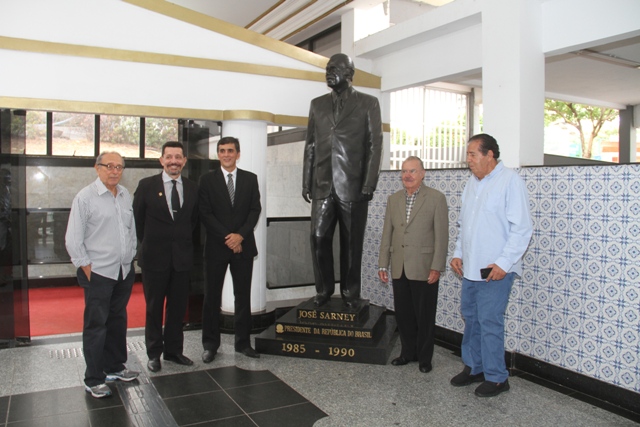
(494, 232)
(101, 241)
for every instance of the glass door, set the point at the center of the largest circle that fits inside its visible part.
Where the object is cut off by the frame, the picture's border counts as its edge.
(14, 294)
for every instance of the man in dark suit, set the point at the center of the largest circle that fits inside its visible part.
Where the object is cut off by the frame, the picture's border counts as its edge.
(341, 168)
(166, 213)
(414, 244)
(229, 209)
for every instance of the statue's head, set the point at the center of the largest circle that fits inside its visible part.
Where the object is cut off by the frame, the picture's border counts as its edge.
(339, 72)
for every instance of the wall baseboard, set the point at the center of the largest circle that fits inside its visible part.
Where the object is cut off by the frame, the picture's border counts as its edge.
(615, 399)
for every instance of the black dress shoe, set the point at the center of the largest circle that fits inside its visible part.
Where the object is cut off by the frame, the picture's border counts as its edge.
(399, 361)
(249, 352)
(425, 367)
(154, 364)
(208, 356)
(490, 389)
(465, 378)
(180, 359)
(320, 299)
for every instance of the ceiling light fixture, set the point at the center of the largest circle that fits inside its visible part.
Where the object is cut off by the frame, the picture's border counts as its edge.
(436, 3)
(611, 59)
(289, 16)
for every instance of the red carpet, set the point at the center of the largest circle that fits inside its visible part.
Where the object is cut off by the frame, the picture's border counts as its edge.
(55, 311)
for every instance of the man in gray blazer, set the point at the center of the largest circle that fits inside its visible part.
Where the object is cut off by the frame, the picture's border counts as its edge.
(341, 167)
(414, 244)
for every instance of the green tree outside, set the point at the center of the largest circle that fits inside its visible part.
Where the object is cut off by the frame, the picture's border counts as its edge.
(120, 129)
(159, 131)
(587, 119)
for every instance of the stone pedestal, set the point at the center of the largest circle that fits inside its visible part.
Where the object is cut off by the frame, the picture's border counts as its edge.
(363, 334)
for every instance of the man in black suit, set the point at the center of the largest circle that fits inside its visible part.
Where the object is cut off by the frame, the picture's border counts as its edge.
(165, 207)
(341, 167)
(229, 209)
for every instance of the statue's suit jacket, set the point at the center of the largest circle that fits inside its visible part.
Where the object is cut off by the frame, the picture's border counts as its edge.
(343, 153)
(165, 242)
(420, 244)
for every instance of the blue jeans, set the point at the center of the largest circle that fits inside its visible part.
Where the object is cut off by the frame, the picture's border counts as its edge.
(483, 306)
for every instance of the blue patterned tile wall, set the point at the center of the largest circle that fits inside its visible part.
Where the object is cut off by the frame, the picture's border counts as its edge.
(577, 304)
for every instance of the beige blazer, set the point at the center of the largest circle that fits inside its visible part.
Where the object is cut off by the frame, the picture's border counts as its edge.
(420, 244)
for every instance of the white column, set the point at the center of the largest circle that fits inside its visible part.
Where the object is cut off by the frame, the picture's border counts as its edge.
(385, 110)
(347, 34)
(253, 158)
(357, 24)
(513, 79)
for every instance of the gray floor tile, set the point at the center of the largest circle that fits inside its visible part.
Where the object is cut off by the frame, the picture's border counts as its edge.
(351, 394)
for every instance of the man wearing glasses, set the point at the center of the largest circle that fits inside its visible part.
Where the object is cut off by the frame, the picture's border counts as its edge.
(101, 241)
(414, 244)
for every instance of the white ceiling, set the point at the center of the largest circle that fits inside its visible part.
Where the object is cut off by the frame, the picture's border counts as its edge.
(601, 74)
(238, 12)
(581, 77)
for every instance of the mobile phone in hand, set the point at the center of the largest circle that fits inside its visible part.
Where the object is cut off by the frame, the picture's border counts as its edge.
(484, 272)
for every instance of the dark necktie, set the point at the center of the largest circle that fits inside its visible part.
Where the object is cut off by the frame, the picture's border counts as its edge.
(175, 199)
(232, 191)
(337, 107)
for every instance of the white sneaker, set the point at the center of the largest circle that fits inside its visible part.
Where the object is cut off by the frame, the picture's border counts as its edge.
(98, 391)
(124, 375)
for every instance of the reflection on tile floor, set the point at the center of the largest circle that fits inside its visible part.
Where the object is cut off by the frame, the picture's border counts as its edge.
(41, 385)
(225, 395)
(228, 396)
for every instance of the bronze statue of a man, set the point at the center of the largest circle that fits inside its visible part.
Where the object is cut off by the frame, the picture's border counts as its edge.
(341, 167)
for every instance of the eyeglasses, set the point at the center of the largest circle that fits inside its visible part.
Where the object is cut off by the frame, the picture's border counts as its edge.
(118, 168)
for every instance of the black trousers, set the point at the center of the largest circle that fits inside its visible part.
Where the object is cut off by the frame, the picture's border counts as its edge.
(416, 304)
(168, 288)
(241, 273)
(104, 333)
(352, 217)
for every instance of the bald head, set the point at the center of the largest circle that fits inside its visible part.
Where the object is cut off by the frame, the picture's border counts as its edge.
(339, 72)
